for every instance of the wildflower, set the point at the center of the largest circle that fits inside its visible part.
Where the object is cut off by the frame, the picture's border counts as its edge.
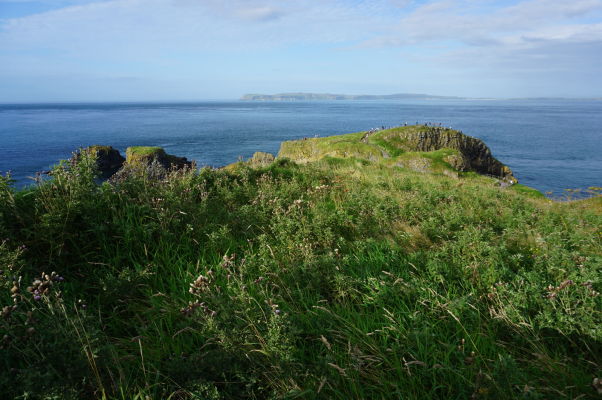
(41, 286)
(201, 284)
(228, 261)
(275, 308)
(565, 284)
(192, 306)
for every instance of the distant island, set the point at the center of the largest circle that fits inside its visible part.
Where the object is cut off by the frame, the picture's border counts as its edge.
(301, 96)
(328, 96)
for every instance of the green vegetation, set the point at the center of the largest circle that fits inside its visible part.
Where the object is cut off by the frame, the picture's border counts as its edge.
(142, 151)
(339, 279)
(144, 157)
(99, 149)
(417, 147)
(135, 153)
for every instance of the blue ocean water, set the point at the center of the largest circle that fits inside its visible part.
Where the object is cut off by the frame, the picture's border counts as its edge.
(550, 145)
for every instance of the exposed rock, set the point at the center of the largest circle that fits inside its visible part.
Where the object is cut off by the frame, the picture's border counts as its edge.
(420, 165)
(474, 154)
(145, 156)
(108, 159)
(261, 159)
(150, 162)
(420, 148)
(457, 162)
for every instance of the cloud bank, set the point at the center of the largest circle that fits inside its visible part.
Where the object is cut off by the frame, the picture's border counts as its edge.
(212, 48)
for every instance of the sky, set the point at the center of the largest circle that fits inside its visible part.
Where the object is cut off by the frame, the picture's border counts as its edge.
(172, 50)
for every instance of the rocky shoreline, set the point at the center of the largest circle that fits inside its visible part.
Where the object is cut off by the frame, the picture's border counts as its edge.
(420, 148)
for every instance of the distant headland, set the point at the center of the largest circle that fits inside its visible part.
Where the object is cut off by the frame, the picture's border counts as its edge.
(302, 96)
(328, 96)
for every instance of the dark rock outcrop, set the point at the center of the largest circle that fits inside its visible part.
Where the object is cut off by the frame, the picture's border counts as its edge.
(145, 155)
(108, 159)
(152, 161)
(420, 148)
(474, 155)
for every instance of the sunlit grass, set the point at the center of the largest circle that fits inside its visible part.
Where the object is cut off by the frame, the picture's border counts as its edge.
(338, 279)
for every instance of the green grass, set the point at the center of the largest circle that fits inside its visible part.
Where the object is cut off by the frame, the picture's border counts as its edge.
(527, 191)
(99, 148)
(143, 151)
(338, 279)
(392, 139)
(395, 147)
(341, 146)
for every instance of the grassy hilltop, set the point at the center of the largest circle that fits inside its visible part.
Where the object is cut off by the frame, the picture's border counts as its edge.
(359, 272)
(420, 148)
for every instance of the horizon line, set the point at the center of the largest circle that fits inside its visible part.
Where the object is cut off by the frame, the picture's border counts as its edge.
(239, 99)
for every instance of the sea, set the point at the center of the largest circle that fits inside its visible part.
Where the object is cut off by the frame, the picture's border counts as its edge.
(551, 145)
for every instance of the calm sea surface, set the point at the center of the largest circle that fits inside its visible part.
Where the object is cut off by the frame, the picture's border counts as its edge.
(550, 145)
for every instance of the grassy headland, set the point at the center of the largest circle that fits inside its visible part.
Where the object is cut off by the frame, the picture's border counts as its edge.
(341, 278)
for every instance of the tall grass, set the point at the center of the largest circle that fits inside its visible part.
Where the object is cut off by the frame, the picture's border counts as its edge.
(330, 280)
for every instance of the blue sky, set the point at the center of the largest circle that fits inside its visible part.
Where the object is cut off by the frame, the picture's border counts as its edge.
(87, 50)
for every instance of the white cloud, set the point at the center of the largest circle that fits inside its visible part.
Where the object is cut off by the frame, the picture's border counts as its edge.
(176, 39)
(461, 20)
(265, 13)
(209, 24)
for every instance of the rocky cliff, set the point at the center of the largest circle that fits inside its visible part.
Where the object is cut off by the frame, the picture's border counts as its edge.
(421, 148)
(112, 165)
(108, 159)
(145, 155)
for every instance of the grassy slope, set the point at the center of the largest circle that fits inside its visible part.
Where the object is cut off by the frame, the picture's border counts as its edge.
(339, 279)
(383, 147)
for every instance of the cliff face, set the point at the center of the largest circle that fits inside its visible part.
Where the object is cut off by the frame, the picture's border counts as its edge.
(420, 148)
(113, 166)
(473, 155)
(145, 155)
(108, 159)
